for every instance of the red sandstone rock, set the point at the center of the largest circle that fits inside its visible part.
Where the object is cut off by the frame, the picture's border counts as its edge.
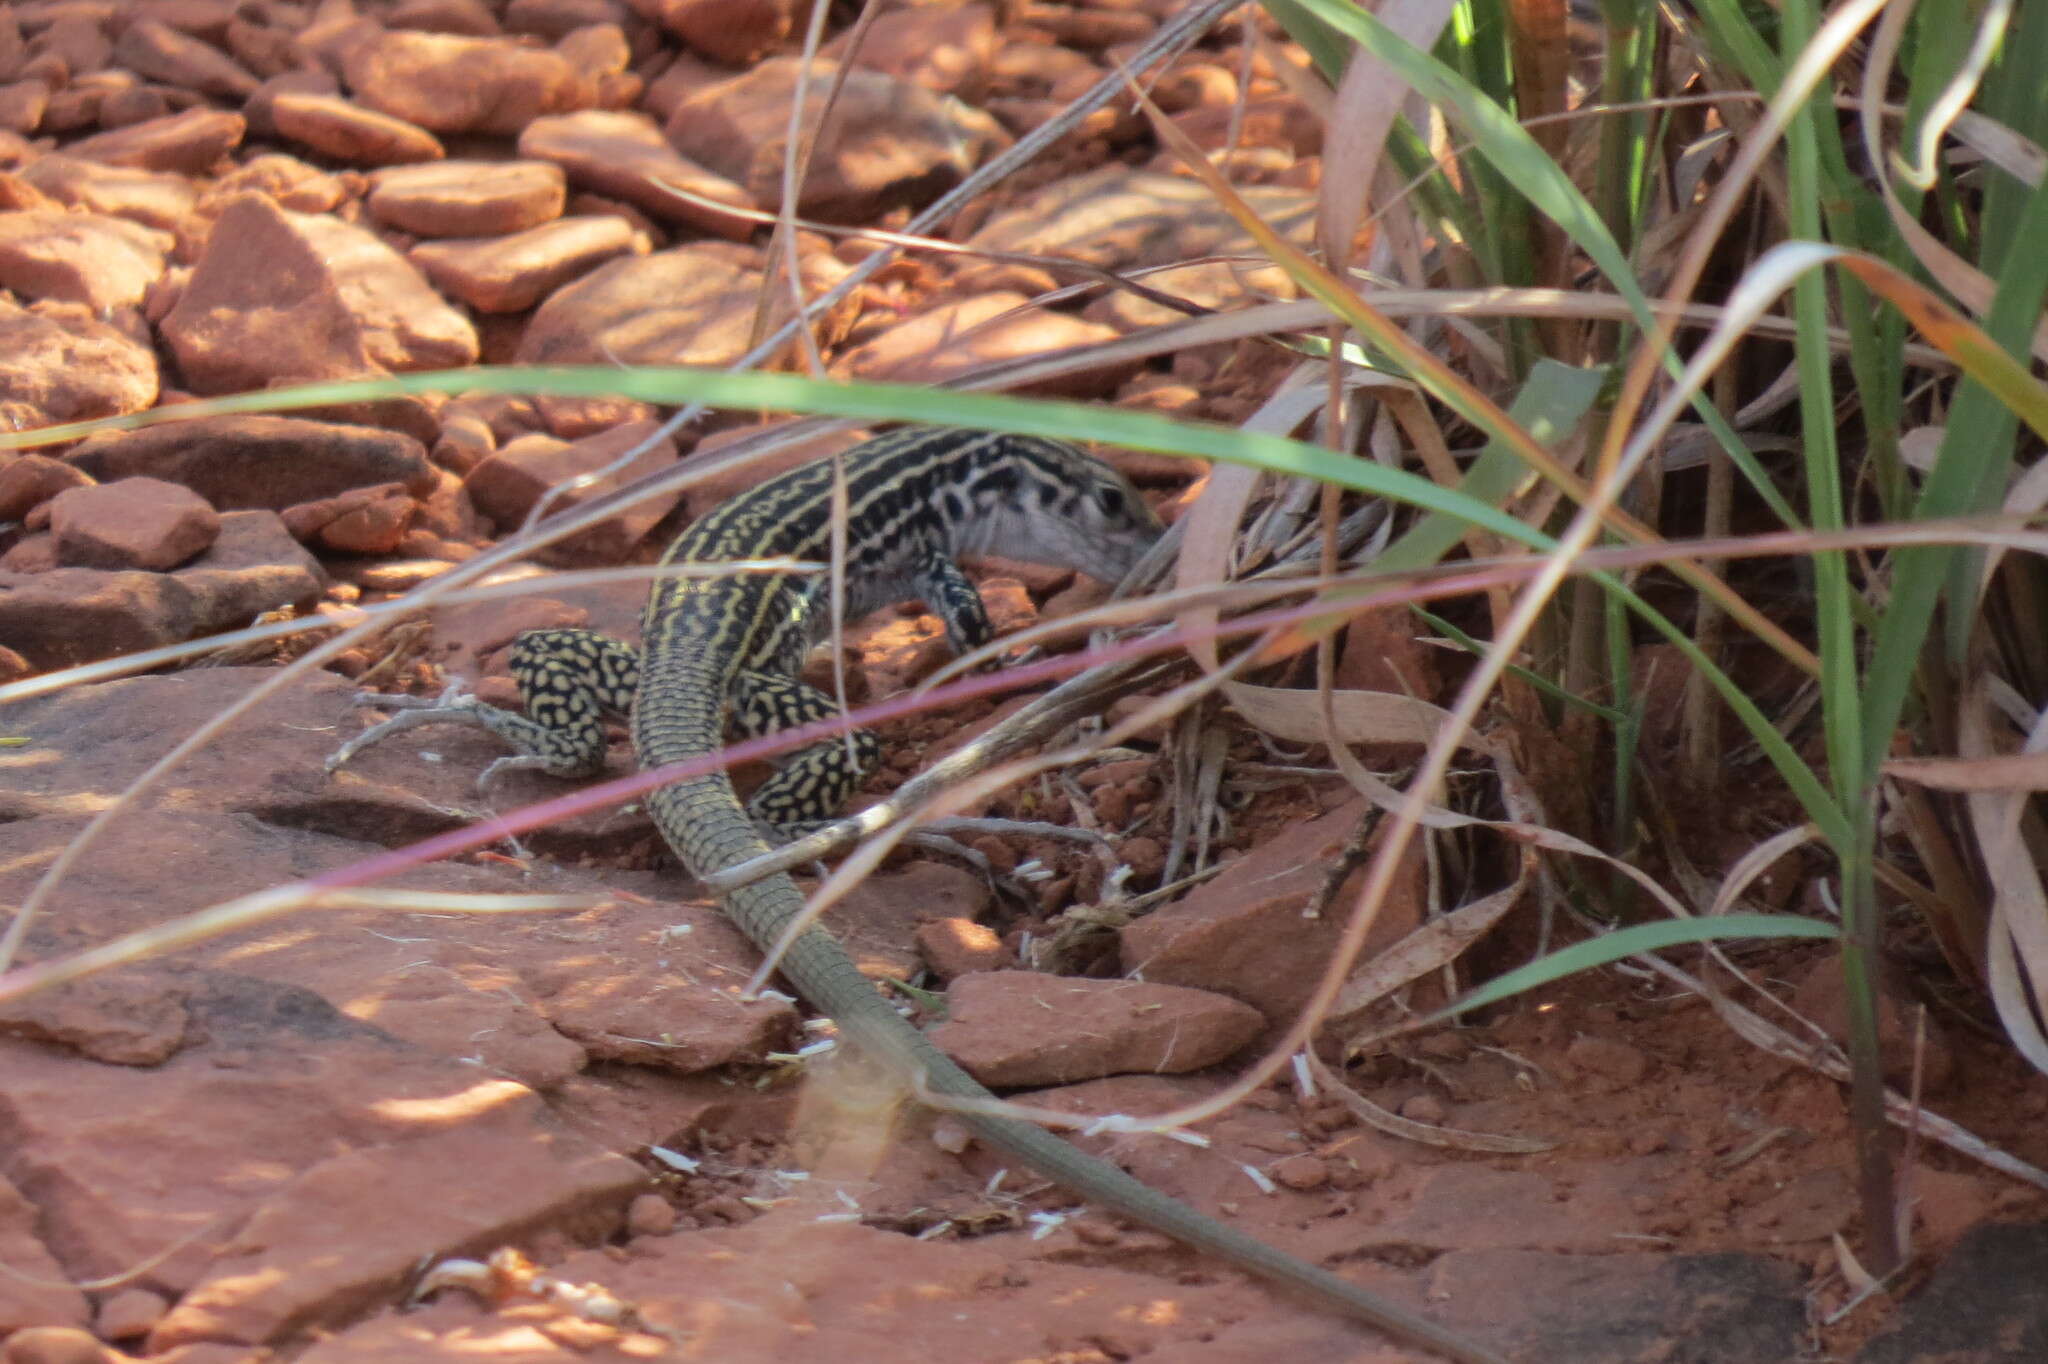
(347, 131)
(451, 84)
(59, 363)
(624, 155)
(510, 274)
(956, 947)
(27, 480)
(192, 142)
(686, 306)
(258, 461)
(80, 257)
(156, 199)
(282, 295)
(468, 198)
(161, 53)
(506, 487)
(736, 32)
(983, 330)
(360, 521)
(134, 523)
(1024, 1028)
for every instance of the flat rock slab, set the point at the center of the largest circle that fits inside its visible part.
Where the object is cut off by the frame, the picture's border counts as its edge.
(1986, 1304)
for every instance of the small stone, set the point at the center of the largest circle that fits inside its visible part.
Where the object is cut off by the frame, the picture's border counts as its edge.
(192, 142)
(624, 155)
(59, 363)
(129, 1314)
(136, 523)
(54, 1345)
(29, 480)
(347, 131)
(161, 53)
(736, 32)
(1425, 1108)
(1610, 1059)
(468, 198)
(452, 84)
(650, 1215)
(955, 337)
(1300, 1172)
(80, 257)
(511, 274)
(953, 947)
(506, 487)
(238, 463)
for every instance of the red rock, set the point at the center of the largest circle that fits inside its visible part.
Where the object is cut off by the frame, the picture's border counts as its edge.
(511, 274)
(686, 306)
(123, 1018)
(507, 486)
(451, 84)
(129, 1314)
(347, 131)
(1380, 653)
(55, 1345)
(956, 947)
(161, 53)
(138, 104)
(1118, 218)
(192, 142)
(258, 462)
(650, 1215)
(736, 32)
(286, 179)
(984, 330)
(39, 1293)
(69, 616)
(22, 104)
(361, 521)
(472, 18)
(75, 43)
(135, 523)
(28, 480)
(265, 50)
(59, 363)
(944, 48)
(624, 155)
(154, 199)
(887, 143)
(1243, 934)
(1302, 1171)
(80, 257)
(468, 198)
(1024, 1028)
(282, 295)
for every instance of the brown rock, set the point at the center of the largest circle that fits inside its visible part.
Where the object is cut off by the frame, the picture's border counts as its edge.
(347, 131)
(282, 295)
(135, 523)
(69, 616)
(59, 363)
(265, 50)
(22, 104)
(472, 18)
(161, 53)
(1243, 934)
(451, 84)
(468, 198)
(154, 199)
(360, 521)
(39, 1293)
(1302, 1171)
(507, 486)
(29, 480)
(123, 1018)
(80, 257)
(74, 43)
(251, 462)
(1088, 27)
(987, 329)
(1119, 218)
(286, 179)
(554, 20)
(736, 32)
(1023, 1028)
(887, 143)
(650, 1215)
(686, 306)
(1609, 1059)
(1380, 653)
(129, 1314)
(191, 142)
(956, 947)
(139, 104)
(944, 48)
(54, 1345)
(624, 155)
(511, 274)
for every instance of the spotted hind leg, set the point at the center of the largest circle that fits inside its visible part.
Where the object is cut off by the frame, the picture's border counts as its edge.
(811, 784)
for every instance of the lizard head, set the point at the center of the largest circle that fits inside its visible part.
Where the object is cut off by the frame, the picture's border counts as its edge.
(1048, 503)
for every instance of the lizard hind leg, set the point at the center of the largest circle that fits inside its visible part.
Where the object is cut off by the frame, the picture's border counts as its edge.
(811, 784)
(568, 679)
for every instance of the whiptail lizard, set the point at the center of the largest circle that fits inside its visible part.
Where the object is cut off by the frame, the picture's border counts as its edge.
(725, 648)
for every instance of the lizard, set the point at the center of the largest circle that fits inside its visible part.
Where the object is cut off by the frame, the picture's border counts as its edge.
(727, 648)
